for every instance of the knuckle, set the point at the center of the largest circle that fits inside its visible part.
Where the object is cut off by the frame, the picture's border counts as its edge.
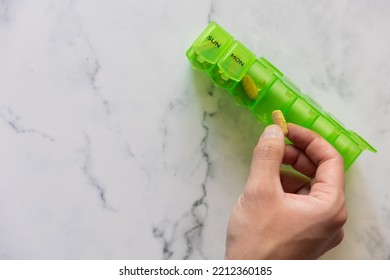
(337, 217)
(267, 151)
(338, 158)
(341, 218)
(339, 237)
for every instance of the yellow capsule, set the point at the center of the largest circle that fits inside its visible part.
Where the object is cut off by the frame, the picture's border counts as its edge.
(250, 87)
(279, 120)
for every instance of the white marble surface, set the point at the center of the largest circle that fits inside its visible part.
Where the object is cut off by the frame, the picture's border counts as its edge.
(112, 147)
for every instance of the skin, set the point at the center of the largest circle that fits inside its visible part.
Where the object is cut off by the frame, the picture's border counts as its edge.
(289, 215)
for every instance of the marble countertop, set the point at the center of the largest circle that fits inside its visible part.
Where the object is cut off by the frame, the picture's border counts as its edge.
(112, 147)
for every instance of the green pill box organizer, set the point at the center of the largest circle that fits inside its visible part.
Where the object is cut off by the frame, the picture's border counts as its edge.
(256, 84)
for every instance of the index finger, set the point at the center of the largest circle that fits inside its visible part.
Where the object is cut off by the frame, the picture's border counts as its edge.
(329, 163)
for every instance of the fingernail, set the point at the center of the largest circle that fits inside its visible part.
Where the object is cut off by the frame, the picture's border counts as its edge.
(271, 131)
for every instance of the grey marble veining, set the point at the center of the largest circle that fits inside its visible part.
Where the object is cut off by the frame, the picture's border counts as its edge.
(112, 147)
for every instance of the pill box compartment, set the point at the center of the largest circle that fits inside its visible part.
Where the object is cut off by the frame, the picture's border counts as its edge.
(209, 47)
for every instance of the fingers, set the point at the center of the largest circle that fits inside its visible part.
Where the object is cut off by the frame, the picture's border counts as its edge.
(319, 157)
(293, 182)
(309, 142)
(299, 161)
(310, 155)
(266, 161)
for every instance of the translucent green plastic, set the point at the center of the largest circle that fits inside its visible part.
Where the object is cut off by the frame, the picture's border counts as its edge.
(227, 61)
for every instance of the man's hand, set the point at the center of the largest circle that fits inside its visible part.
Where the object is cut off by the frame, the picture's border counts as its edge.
(289, 215)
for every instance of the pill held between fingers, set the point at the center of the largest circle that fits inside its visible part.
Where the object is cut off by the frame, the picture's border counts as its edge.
(250, 87)
(279, 120)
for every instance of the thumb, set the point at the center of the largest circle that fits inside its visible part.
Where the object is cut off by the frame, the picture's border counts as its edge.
(267, 158)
